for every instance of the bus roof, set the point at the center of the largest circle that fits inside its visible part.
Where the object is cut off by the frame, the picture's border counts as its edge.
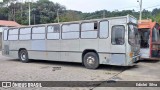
(146, 24)
(110, 18)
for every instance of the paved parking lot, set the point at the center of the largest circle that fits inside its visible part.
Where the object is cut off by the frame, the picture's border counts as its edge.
(14, 70)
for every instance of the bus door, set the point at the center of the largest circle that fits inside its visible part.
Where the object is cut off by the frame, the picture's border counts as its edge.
(118, 44)
(145, 42)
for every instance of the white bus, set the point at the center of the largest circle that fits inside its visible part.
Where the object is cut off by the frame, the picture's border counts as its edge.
(113, 41)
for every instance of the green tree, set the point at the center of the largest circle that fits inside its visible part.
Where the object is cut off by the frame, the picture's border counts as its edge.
(69, 15)
(157, 18)
(45, 11)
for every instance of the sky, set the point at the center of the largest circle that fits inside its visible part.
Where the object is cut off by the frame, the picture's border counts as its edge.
(110, 5)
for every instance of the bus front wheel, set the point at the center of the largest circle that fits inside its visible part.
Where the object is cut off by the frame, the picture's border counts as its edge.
(91, 60)
(23, 56)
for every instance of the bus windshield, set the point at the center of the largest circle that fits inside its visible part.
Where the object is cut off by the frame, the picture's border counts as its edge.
(133, 35)
(155, 35)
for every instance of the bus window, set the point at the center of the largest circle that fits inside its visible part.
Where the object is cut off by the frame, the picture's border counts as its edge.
(25, 34)
(38, 32)
(133, 35)
(53, 32)
(89, 30)
(103, 32)
(118, 33)
(70, 31)
(154, 35)
(13, 34)
(5, 35)
(144, 35)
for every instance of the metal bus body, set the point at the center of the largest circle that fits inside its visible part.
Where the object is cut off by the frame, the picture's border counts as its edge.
(100, 41)
(150, 45)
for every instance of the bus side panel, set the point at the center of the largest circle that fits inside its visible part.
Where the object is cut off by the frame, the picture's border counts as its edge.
(24, 44)
(13, 48)
(5, 48)
(71, 56)
(38, 45)
(104, 58)
(53, 50)
(13, 54)
(70, 50)
(36, 55)
(38, 48)
(88, 44)
(104, 50)
(112, 59)
(104, 45)
(13, 45)
(118, 59)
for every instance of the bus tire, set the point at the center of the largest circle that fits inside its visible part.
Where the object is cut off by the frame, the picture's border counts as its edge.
(91, 60)
(23, 56)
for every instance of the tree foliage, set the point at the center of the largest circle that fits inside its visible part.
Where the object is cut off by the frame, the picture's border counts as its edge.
(42, 11)
(45, 11)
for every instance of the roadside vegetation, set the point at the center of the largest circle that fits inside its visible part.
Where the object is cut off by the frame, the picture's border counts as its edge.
(45, 11)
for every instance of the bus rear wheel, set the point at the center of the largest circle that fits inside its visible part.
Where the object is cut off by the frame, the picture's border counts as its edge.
(23, 56)
(91, 60)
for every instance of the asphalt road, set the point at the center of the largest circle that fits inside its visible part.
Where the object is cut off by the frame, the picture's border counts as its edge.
(14, 70)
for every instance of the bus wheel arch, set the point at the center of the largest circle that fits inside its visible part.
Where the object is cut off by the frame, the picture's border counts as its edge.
(20, 50)
(90, 53)
(23, 55)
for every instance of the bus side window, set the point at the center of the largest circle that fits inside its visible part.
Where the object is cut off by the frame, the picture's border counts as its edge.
(154, 35)
(38, 32)
(95, 26)
(5, 35)
(53, 32)
(118, 33)
(25, 33)
(89, 30)
(103, 31)
(70, 31)
(13, 34)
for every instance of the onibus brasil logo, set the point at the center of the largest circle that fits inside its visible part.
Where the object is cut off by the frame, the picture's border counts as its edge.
(6, 84)
(20, 84)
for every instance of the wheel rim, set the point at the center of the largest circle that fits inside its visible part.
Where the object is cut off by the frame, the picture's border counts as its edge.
(23, 56)
(90, 60)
